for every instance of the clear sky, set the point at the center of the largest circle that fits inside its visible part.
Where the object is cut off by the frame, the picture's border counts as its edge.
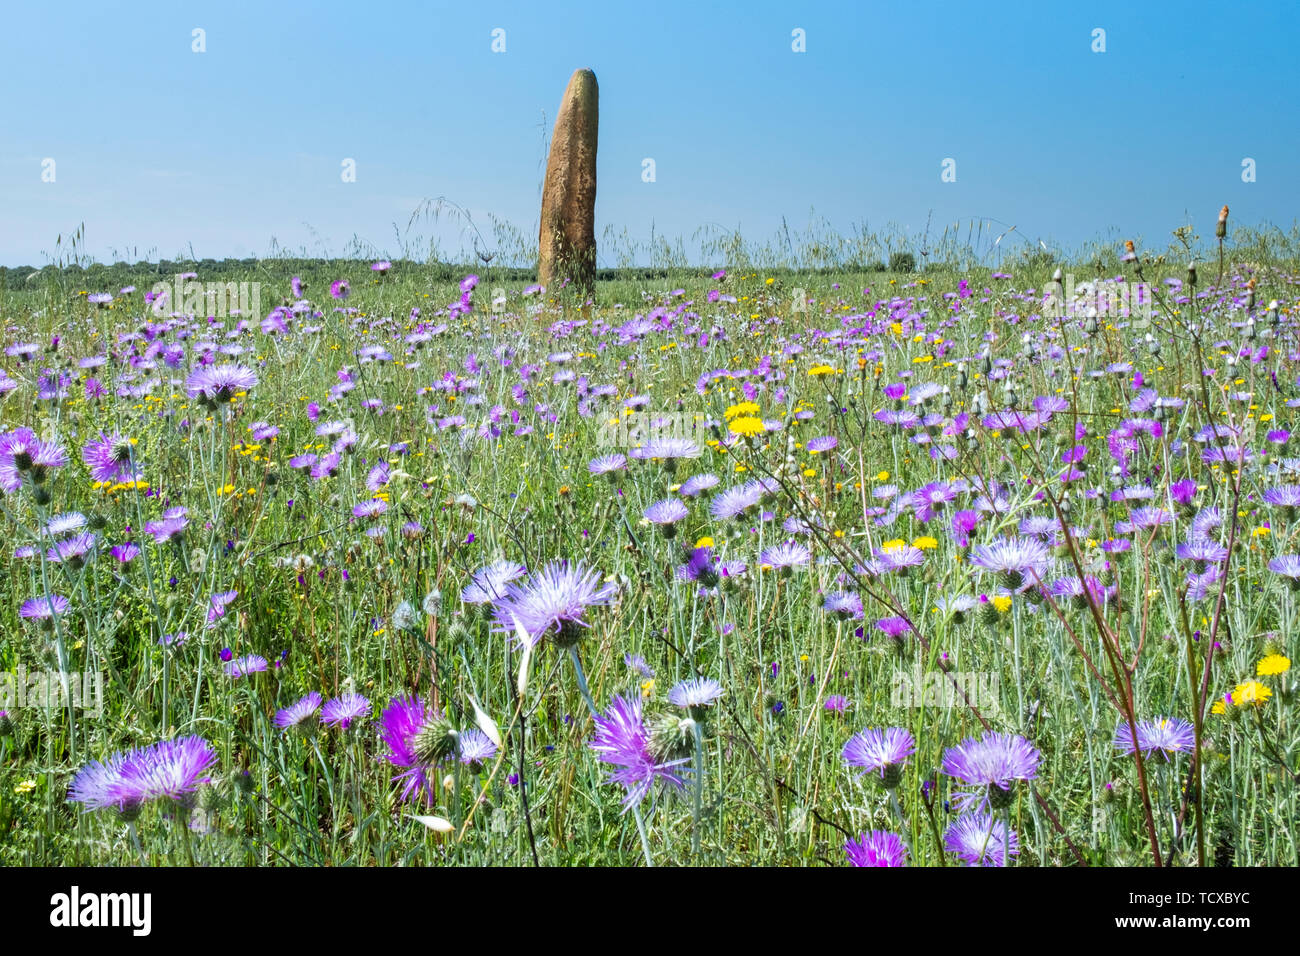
(160, 150)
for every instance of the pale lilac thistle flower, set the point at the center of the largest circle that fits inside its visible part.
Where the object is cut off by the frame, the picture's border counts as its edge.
(296, 713)
(1165, 736)
(342, 711)
(552, 603)
(881, 751)
(622, 739)
(990, 765)
(980, 840)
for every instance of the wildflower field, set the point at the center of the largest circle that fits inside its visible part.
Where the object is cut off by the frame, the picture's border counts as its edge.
(725, 567)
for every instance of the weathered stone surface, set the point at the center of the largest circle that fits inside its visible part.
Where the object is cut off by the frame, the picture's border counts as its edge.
(567, 240)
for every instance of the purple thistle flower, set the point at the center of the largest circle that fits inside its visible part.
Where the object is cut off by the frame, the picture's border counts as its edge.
(65, 523)
(1142, 518)
(963, 523)
(1014, 559)
(219, 383)
(326, 467)
(97, 784)
(697, 484)
(622, 739)
(843, 604)
(125, 553)
(371, 508)
(734, 502)
(44, 608)
(296, 713)
(836, 703)
(1070, 587)
(667, 449)
(109, 458)
(1283, 496)
(1204, 551)
(169, 768)
(475, 749)
(695, 694)
(342, 711)
(217, 605)
(167, 529)
(824, 443)
(897, 559)
(416, 737)
(340, 289)
(979, 840)
(1166, 735)
(786, 556)
(243, 666)
(607, 464)
(1182, 492)
(699, 567)
(552, 603)
(489, 583)
(1286, 566)
(876, 848)
(991, 763)
(894, 627)
(930, 499)
(666, 513)
(880, 751)
(1199, 585)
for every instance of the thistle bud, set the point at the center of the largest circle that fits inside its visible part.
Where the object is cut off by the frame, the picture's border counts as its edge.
(1000, 799)
(672, 737)
(438, 740)
(1221, 227)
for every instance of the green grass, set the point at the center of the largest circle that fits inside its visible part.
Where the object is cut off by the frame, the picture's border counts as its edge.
(776, 789)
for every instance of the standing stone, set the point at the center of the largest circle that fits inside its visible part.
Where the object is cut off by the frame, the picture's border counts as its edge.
(567, 240)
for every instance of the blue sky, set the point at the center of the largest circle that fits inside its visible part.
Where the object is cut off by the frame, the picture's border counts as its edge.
(160, 150)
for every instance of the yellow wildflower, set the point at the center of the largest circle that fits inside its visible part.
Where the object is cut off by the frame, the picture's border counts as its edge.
(1273, 665)
(747, 425)
(743, 408)
(1251, 692)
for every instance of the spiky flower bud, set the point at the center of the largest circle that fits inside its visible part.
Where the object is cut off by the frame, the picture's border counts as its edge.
(671, 737)
(436, 741)
(1000, 799)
